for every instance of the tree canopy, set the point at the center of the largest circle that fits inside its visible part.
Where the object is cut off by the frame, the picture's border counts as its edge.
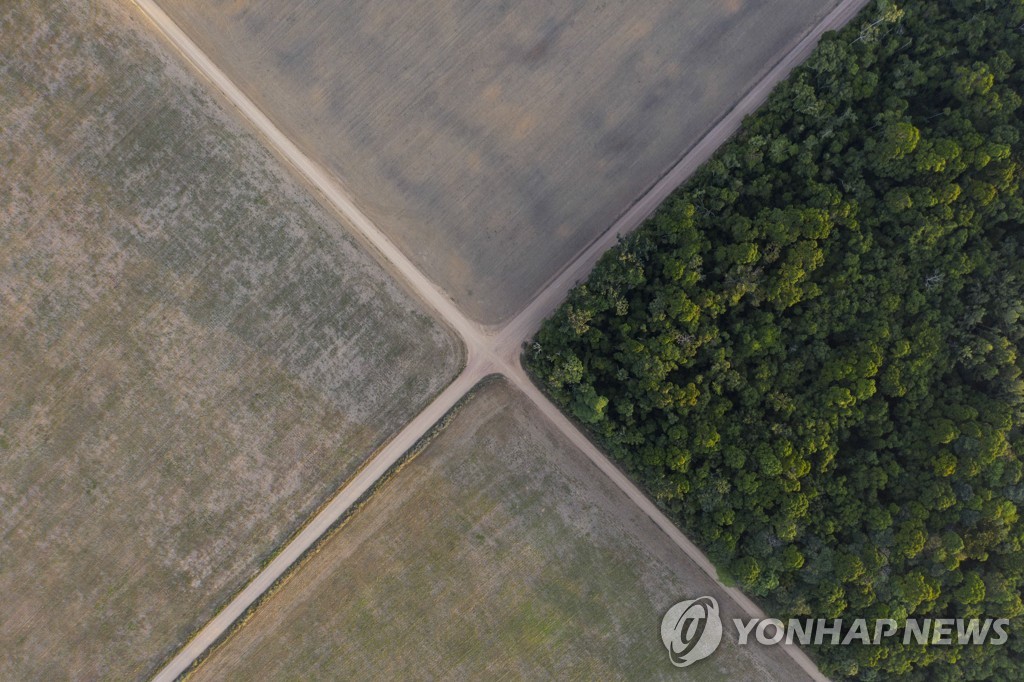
(810, 354)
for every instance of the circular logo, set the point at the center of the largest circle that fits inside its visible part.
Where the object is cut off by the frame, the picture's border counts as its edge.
(691, 630)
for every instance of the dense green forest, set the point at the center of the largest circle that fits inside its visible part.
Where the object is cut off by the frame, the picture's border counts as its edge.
(810, 355)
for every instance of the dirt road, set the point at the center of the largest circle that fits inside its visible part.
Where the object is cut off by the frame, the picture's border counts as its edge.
(488, 350)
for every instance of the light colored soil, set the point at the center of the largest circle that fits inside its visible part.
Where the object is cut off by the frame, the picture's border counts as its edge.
(192, 354)
(500, 551)
(493, 140)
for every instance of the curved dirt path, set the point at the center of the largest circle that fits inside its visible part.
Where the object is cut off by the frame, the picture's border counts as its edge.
(488, 350)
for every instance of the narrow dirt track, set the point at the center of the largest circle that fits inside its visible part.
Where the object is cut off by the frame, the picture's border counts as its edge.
(488, 350)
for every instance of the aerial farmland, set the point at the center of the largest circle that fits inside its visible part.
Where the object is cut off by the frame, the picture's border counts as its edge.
(193, 354)
(498, 551)
(253, 254)
(494, 140)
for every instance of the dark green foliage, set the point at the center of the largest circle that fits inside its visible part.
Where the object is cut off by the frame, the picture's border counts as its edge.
(810, 355)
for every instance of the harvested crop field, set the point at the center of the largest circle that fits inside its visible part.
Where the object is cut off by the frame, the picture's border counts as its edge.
(193, 355)
(498, 552)
(493, 141)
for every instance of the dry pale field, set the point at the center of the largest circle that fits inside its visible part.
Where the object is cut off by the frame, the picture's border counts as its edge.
(192, 354)
(499, 552)
(494, 140)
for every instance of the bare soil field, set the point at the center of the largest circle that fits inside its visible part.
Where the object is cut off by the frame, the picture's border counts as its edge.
(498, 552)
(493, 140)
(193, 355)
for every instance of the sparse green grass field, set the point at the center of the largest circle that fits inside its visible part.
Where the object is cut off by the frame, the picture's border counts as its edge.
(495, 140)
(192, 354)
(498, 552)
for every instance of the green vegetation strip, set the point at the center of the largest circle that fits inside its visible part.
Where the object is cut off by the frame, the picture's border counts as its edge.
(810, 354)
